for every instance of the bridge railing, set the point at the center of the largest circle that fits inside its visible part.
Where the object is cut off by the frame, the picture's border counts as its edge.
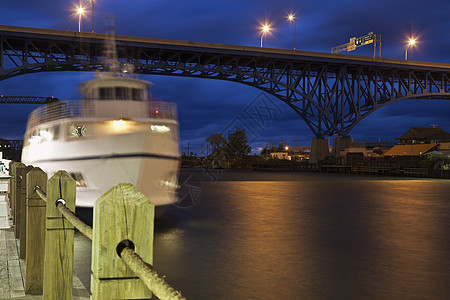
(122, 238)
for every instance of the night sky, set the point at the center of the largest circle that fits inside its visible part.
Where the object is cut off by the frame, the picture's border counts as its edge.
(210, 106)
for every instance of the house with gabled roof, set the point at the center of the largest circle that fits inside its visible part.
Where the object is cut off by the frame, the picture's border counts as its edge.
(424, 135)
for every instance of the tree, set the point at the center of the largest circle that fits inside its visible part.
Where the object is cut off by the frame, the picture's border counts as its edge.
(238, 144)
(225, 151)
(265, 152)
(217, 142)
(218, 156)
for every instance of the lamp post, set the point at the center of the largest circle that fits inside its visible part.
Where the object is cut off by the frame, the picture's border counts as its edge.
(92, 6)
(291, 18)
(410, 44)
(265, 29)
(80, 11)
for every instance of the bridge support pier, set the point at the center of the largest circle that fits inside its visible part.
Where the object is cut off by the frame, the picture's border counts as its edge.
(319, 150)
(340, 143)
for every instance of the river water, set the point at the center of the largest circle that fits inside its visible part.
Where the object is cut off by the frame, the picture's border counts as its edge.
(256, 235)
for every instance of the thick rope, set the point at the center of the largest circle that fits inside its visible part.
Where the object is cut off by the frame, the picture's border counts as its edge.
(149, 277)
(70, 216)
(143, 270)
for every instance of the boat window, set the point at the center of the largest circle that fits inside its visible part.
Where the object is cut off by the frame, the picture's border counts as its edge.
(121, 93)
(76, 131)
(167, 130)
(55, 130)
(42, 135)
(137, 94)
(105, 93)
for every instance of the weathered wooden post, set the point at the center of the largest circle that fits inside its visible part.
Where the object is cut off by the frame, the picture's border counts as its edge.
(12, 189)
(23, 213)
(123, 215)
(58, 261)
(17, 202)
(35, 232)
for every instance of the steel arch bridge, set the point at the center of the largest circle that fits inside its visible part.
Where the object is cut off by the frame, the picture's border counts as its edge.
(332, 93)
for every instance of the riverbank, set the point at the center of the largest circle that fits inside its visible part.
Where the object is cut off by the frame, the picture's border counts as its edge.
(383, 166)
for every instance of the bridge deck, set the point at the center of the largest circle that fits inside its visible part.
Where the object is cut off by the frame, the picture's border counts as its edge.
(89, 37)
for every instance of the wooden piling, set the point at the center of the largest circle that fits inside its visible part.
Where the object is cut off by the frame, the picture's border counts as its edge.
(23, 212)
(35, 245)
(12, 189)
(58, 261)
(17, 200)
(122, 214)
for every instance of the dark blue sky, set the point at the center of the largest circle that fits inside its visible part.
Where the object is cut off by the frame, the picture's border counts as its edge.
(208, 106)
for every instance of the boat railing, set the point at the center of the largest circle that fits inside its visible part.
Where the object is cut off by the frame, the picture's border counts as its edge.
(157, 109)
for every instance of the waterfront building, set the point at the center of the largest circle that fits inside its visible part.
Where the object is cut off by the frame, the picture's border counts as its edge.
(424, 135)
(280, 155)
(411, 149)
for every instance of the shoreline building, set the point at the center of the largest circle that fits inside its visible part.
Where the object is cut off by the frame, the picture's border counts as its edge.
(424, 135)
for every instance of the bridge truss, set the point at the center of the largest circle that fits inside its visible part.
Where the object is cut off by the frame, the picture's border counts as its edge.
(332, 93)
(26, 100)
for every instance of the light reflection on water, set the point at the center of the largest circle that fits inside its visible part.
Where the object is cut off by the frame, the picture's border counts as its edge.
(297, 236)
(305, 236)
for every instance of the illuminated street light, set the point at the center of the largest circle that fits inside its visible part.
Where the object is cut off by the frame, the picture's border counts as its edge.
(92, 12)
(286, 148)
(80, 12)
(291, 18)
(410, 44)
(264, 30)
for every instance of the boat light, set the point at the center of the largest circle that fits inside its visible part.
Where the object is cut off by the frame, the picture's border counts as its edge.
(160, 128)
(35, 139)
(46, 135)
(120, 124)
(170, 182)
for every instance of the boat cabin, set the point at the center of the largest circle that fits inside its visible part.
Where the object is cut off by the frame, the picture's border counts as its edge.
(115, 88)
(116, 98)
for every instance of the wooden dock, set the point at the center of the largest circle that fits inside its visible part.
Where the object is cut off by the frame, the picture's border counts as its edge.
(38, 253)
(12, 268)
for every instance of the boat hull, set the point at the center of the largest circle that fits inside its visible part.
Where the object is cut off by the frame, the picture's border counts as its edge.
(146, 159)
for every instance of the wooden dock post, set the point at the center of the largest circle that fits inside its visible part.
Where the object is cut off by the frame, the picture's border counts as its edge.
(23, 212)
(122, 214)
(12, 189)
(58, 261)
(35, 245)
(17, 196)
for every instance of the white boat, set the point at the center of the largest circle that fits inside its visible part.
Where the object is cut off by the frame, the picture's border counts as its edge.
(115, 133)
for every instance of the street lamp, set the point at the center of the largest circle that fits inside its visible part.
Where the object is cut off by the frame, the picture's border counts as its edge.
(80, 11)
(410, 44)
(291, 18)
(264, 30)
(92, 6)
